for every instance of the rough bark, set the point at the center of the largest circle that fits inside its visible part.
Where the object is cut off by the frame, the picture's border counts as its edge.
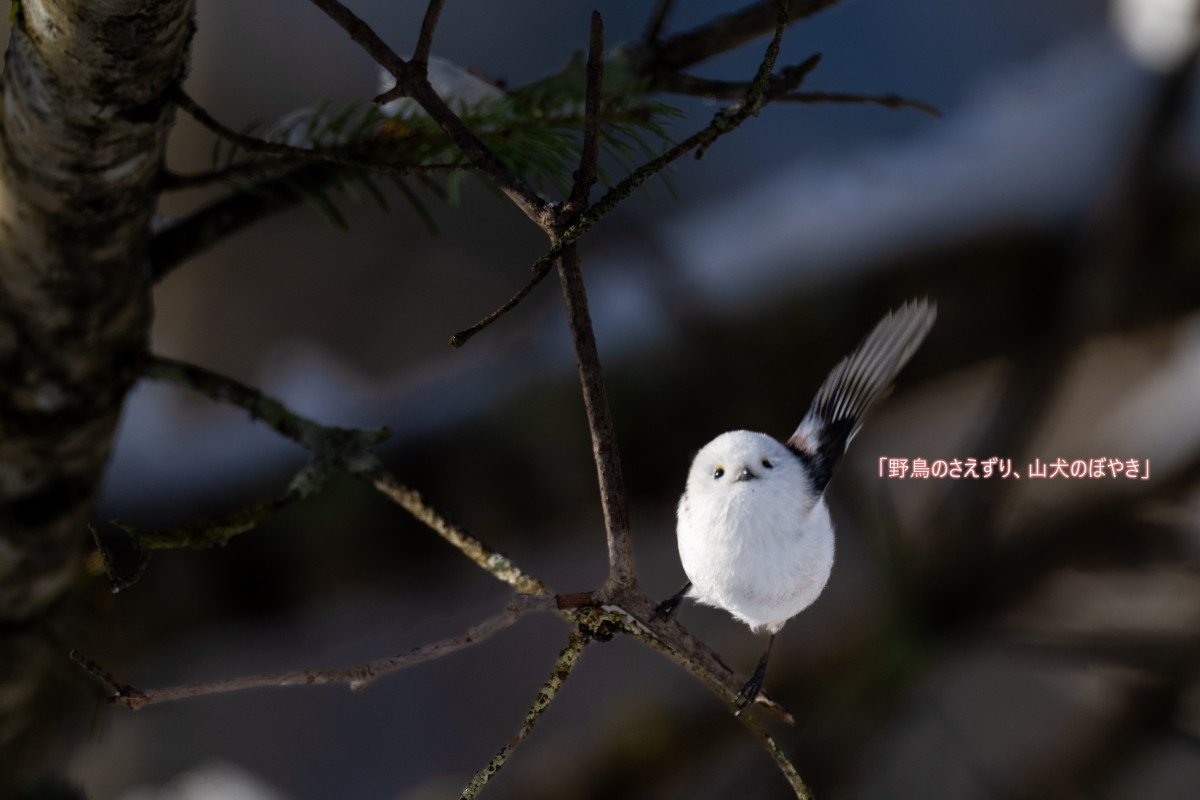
(84, 118)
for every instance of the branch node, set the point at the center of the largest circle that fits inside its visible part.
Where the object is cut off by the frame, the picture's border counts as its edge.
(125, 694)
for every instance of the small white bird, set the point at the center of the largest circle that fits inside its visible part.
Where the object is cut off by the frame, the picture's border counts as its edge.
(754, 532)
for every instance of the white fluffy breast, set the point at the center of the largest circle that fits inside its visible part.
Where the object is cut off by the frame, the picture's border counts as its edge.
(753, 538)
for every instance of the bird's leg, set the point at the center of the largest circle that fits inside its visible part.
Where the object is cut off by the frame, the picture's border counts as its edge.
(668, 607)
(753, 686)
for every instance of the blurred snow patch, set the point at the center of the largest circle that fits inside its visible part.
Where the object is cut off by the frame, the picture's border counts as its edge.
(457, 85)
(215, 780)
(1160, 34)
(1032, 147)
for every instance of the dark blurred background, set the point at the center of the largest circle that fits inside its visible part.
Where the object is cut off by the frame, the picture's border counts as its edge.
(979, 639)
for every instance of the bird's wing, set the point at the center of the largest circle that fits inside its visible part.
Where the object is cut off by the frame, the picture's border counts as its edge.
(856, 384)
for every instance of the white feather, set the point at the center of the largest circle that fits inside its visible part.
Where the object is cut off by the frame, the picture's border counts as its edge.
(762, 549)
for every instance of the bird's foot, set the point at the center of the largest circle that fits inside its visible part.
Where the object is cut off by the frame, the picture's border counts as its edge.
(750, 692)
(667, 608)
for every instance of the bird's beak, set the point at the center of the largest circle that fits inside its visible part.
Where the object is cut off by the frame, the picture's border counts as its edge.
(745, 475)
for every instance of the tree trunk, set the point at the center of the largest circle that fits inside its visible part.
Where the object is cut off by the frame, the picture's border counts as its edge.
(84, 120)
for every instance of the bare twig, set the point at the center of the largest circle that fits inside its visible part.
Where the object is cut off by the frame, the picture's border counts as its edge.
(563, 666)
(174, 245)
(604, 442)
(585, 176)
(695, 86)
(785, 765)
(411, 81)
(758, 86)
(365, 37)
(210, 533)
(534, 207)
(125, 694)
(332, 442)
(356, 677)
(201, 115)
(658, 21)
(604, 437)
(347, 449)
(541, 269)
(885, 100)
(722, 34)
(494, 562)
(420, 56)
(218, 532)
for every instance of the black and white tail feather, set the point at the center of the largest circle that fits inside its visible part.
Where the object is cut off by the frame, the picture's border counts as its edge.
(855, 385)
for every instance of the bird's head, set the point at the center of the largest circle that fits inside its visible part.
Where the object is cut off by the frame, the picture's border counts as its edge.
(742, 461)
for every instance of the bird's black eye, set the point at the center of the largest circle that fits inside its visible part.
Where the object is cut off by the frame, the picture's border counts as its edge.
(766, 462)
(718, 472)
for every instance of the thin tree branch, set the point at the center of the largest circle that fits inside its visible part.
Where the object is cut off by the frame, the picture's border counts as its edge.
(658, 21)
(345, 448)
(721, 35)
(420, 56)
(564, 665)
(758, 86)
(172, 246)
(259, 145)
(695, 86)
(336, 443)
(585, 176)
(723, 122)
(785, 765)
(532, 204)
(541, 268)
(683, 83)
(894, 101)
(411, 501)
(604, 438)
(356, 677)
(412, 81)
(365, 37)
(209, 533)
(201, 115)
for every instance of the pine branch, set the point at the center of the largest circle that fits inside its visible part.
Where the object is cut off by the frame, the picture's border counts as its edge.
(723, 122)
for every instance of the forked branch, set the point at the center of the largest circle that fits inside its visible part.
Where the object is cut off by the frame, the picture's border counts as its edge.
(412, 81)
(355, 677)
(619, 605)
